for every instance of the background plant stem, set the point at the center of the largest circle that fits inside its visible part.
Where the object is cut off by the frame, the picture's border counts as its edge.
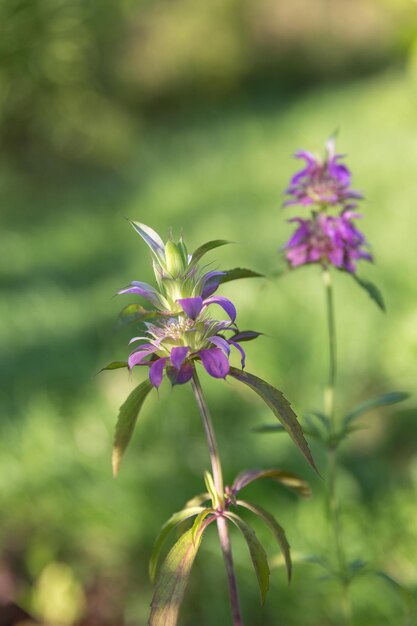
(222, 528)
(330, 411)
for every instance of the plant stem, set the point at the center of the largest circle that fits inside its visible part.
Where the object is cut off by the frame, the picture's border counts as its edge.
(222, 528)
(330, 411)
(329, 394)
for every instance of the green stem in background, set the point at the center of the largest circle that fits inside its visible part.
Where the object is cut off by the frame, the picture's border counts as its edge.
(329, 394)
(330, 411)
(222, 528)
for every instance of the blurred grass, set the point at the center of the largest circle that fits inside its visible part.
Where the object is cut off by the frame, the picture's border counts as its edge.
(66, 249)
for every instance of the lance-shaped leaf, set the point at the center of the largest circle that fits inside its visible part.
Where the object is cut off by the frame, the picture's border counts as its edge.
(173, 578)
(216, 498)
(206, 247)
(256, 551)
(280, 406)
(276, 528)
(237, 273)
(198, 522)
(285, 478)
(385, 400)
(372, 290)
(197, 500)
(269, 428)
(128, 414)
(114, 365)
(174, 520)
(134, 313)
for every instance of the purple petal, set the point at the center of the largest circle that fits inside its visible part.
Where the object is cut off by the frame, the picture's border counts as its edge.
(241, 350)
(225, 303)
(221, 343)
(178, 356)
(215, 362)
(138, 339)
(307, 156)
(143, 289)
(156, 371)
(136, 358)
(191, 306)
(210, 283)
(181, 376)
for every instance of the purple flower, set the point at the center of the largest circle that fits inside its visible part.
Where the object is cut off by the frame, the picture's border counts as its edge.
(327, 240)
(324, 182)
(171, 346)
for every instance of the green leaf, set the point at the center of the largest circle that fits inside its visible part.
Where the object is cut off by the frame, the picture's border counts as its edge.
(128, 414)
(269, 428)
(134, 313)
(206, 247)
(311, 429)
(237, 273)
(172, 580)
(372, 290)
(285, 478)
(114, 365)
(276, 528)
(245, 335)
(197, 500)
(199, 521)
(281, 408)
(211, 488)
(174, 520)
(256, 550)
(386, 399)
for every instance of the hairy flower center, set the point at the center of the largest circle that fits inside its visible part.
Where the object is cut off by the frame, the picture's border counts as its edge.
(183, 331)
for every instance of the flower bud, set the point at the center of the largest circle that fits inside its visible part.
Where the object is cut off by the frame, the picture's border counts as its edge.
(174, 259)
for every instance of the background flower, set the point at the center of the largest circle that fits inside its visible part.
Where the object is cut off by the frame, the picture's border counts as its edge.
(324, 182)
(327, 240)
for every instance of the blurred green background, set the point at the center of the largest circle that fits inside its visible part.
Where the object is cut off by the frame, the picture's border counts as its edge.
(185, 114)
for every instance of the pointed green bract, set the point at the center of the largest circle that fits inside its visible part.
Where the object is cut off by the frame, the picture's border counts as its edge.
(128, 414)
(385, 400)
(206, 247)
(134, 313)
(151, 238)
(237, 273)
(114, 365)
(256, 550)
(174, 520)
(276, 528)
(172, 580)
(285, 478)
(281, 408)
(372, 290)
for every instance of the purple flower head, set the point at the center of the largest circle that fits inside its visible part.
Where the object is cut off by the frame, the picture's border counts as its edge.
(172, 344)
(327, 240)
(322, 182)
